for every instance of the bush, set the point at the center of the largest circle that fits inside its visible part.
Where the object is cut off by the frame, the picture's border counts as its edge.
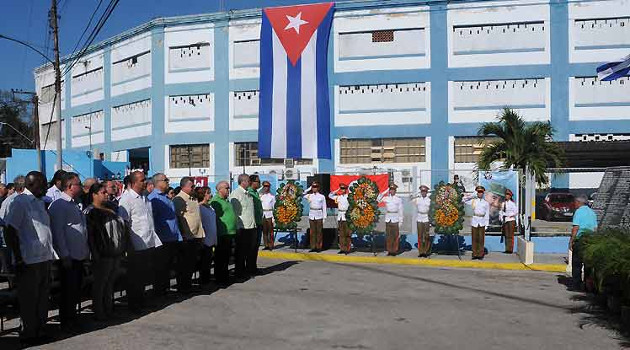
(606, 257)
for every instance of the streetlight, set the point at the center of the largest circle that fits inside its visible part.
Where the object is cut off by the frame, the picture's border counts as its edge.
(16, 130)
(90, 154)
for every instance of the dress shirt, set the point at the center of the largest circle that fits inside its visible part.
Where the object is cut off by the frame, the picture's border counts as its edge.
(6, 203)
(394, 209)
(481, 212)
(268, 202)
(69, 228)
(226, 218)
(27, 215)
(209, 223)
(136, 210)
(423, 204)
(317, 206)
(509, 211)
(164, 218)
(342, 204)
(243, 205)
(187, 211)
(52, 194)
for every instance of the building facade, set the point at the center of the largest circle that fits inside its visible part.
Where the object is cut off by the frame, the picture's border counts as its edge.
(410, 83)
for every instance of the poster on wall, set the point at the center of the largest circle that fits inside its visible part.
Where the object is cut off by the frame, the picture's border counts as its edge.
(496, 182)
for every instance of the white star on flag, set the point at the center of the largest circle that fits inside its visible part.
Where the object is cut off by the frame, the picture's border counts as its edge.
(295, 22)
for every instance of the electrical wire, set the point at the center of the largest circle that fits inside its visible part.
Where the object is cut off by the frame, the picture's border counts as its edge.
(88, 25)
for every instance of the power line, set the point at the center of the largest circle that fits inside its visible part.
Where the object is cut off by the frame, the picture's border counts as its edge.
(87, 26)
(27, 45)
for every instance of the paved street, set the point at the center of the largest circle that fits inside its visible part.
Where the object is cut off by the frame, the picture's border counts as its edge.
(319, 305)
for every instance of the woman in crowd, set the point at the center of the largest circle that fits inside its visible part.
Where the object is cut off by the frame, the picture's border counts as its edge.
(209, 223)
(108, 236)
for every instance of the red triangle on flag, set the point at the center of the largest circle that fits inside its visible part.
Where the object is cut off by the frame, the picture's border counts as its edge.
(295, 25)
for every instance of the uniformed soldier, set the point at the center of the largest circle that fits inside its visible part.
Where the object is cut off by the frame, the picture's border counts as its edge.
(423, 204)
(316, 215)
(508, 214)
(340, 196)
(479, 221)
(393, 218)
(268, 202)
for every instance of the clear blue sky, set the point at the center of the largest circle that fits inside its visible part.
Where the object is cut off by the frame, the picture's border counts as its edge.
(27, 20)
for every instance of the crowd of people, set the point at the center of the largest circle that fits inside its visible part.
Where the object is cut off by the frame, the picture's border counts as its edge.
(157, 230)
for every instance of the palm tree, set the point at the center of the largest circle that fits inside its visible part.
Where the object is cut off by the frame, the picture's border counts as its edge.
(520, 145)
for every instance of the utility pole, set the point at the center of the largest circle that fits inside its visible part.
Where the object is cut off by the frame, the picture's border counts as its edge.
(57, 107)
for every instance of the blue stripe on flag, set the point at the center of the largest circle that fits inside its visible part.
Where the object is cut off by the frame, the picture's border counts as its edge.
(266, 89)
(603, 67)
(618, 74)
(294, 109)
(323, 104)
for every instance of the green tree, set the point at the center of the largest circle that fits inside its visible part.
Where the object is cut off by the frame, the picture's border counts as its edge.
(520, 145)
(14, 113)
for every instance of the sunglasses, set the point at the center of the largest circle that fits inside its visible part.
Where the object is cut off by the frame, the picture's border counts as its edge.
(266, 186)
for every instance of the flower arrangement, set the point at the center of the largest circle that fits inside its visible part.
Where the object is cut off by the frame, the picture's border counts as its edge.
(447, 209)
(363, 211)
(288, 209)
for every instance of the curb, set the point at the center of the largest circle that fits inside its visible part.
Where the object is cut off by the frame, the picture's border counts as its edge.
(349, 259)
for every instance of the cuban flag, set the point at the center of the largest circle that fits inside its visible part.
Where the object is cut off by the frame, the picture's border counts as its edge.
(614, 70)
(294, 110)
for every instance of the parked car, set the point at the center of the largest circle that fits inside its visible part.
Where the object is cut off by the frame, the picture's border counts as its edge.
(558, 206)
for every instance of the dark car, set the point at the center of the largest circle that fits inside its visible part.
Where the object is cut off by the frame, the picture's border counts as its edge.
(558, 206)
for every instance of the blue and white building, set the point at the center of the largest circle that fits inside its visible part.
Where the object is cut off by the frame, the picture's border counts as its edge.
(410, 82)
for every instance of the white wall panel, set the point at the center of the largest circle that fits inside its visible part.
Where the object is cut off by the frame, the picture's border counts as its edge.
(131, 65)
(186, 113)
(385, 104)
(599, 31)
(592, 99)
(189, 53)
(481, 101)
(87, 80)
(131, 120)
(244, 110)
(86, 126)
(48, 138)
(244, 49)
(494, 33)
(354, 49)
(45, 87)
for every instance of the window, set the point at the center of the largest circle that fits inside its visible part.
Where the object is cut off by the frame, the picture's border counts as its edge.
(394, 150)
(382, 36)
(190, 156)
(246, 153)
(468, 149)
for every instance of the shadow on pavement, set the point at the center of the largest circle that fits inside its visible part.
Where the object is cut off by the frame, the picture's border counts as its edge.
(9, 337)
(595, 313)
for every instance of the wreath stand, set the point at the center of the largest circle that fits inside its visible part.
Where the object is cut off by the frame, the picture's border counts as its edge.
(455, 238)
(292, 233)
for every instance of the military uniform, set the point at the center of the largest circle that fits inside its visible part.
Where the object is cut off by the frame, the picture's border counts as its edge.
(268, 202)
(316, 216)
(479, 221)
(393, 219)
(423, 204)
(508, 214)
(345, 241)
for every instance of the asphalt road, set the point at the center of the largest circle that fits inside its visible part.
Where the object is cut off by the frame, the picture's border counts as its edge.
(319, 305)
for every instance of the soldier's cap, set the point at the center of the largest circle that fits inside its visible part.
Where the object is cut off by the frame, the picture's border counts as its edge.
(508, 191)
(498, 189)
(343, 186)
(266, 184)
(480, 188)
(315, 184)
(424, 188)
(393, 187)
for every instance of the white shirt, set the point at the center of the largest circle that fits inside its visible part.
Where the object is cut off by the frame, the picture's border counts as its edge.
(52, 194)
(342, 204)
(69, 229)
(481, 212)
(28, 216)
(423, 204)
(136, 210)
(394, 209)
(509, 211)
(268, 202)
(317, 206)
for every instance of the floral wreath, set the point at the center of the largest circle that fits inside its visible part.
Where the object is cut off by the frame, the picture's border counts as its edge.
(363, 210)
(447, 209)
(287, 211)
